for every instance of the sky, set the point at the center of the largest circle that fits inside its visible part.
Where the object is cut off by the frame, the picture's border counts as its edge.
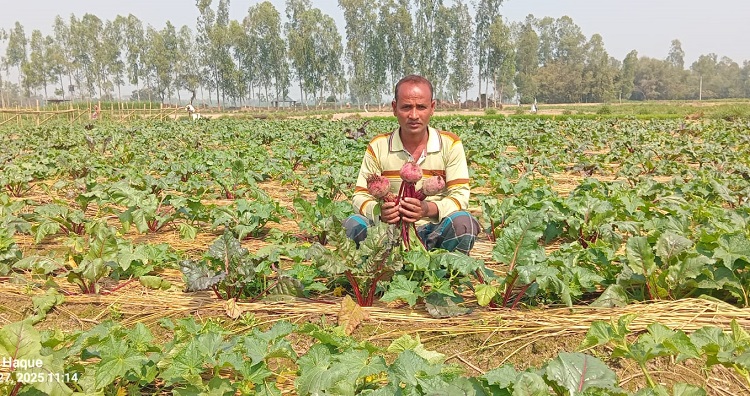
(647, 26)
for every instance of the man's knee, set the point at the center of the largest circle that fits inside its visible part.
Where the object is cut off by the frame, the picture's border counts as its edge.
(356, 228)
(464, 224)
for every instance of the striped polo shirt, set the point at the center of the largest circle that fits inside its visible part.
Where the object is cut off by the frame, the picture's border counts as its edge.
(443, 156)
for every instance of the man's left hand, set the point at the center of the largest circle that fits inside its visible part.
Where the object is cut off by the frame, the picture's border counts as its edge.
(412, 209)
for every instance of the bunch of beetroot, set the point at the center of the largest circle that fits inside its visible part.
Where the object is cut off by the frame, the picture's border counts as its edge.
(379, 187)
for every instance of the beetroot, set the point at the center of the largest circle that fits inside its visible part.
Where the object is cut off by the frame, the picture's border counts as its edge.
(411, 172)
(433, 186)
(378, 186)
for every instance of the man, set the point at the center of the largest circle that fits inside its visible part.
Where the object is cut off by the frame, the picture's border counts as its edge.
(442, 220)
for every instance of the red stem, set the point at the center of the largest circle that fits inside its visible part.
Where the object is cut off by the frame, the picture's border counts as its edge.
(508, 290)
(520, 295)
(355, 287)
(118, 287)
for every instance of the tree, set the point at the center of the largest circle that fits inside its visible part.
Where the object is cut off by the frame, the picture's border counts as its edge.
(396, 30)
(486, 13)
(15, 52)
(35, 70)
(160, 56)
(527, 61)
(187, 67)
(461, 61)
(263, 26)
(676, 55)
(502, 58)
(365, 51)
(134, 46)
(315, 49)
(626, 76)
(598, 73)
(214, 43)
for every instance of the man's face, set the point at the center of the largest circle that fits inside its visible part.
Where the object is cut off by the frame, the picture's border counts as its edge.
(413, 107)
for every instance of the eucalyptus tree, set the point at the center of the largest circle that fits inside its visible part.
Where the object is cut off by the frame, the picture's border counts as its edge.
(63, 41)
(547, 36)
(395, 29)
(486, 13)
(16, 51)
(431, 35)
(56, 64)
(269, 62)
(626, 77)
(3, 39)
(706, 69)
(501, 58)
(110, 69)
(315, 49)
(133, 36)
(561, 78)
(187, 63)
(84, 43)
(365, 50)
(214, 43)
(527, 61)
(676, 55)
(461, 63)
(159, 58)
(598, 72)
(35, 70)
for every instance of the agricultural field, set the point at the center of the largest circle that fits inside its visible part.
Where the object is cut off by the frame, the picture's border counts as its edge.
(208, 258)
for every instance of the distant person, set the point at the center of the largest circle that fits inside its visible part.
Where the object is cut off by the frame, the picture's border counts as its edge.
(95, 114)
(533, 107)
(194, 115)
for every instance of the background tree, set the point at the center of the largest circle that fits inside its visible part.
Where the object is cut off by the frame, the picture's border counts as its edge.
(16, 51)
(676, 55)
(461, 60)
(598, 72)
(35, 69)
(187, 66)
(626, 77)
(365, 51)
(315, 49)
(396, 31)
(263, 24)
(502, 59)
(214, 43)
(486, 13)
(134, 46)
(527, 61)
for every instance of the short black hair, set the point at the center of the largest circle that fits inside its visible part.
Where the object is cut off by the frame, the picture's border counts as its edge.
(413, 78)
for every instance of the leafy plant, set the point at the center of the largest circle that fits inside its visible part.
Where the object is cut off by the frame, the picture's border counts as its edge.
(364, 267)
(316, 220)
(232, 272)
(248, 217)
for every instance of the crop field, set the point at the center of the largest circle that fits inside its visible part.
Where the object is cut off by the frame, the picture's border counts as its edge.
(208, 258)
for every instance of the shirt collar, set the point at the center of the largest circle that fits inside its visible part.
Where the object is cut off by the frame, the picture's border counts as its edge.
(434, 143)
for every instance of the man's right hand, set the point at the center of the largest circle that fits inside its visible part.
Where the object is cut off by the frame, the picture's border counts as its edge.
(389, 213)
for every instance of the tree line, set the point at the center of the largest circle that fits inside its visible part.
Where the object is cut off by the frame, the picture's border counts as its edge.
(261, 59)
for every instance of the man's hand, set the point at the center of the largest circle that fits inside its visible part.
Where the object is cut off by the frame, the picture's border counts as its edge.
(389, 212)
(412, 209)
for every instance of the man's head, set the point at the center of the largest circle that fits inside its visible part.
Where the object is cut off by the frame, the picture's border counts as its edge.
(412, 78)
(413, 105)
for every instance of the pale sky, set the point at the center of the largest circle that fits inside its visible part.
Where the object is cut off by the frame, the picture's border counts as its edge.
(648, 26)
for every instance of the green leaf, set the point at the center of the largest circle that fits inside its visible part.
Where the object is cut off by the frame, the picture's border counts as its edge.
(198, 276)
(613, 296)
(485, 293)
(403, 288)
(640, 256)
(117, 361)
(407, 343)
(671, 245)
(732, 248)
(683, 389)
(530, 384)
(442, 306)
(519, 242)
(578, 372)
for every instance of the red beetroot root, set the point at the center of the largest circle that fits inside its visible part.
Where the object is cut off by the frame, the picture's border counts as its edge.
(411, 172)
